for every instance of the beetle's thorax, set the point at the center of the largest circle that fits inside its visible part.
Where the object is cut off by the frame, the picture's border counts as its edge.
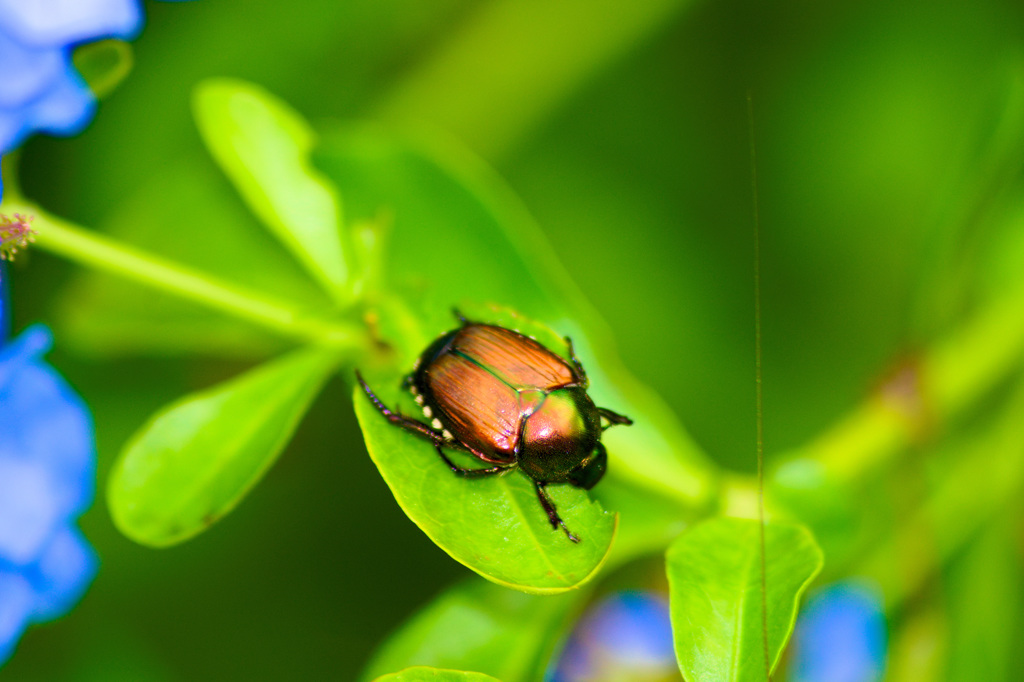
(560, 436)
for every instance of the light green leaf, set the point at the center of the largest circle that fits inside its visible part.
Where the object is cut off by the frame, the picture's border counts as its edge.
(421, 674)
(495, 525)
(714, 574)
(263, 147)
(196, 459)
(480, 625)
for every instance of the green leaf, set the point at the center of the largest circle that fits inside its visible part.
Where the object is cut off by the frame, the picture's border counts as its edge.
(714, 574)
(460, 236)
(495, 525)
(421, 674)
(482, 626)
(196, 459)
(263, 146)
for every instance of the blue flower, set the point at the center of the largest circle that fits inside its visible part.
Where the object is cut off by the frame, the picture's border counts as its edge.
(841, 636)
(40, 90)
(627, 635)
(47, 479)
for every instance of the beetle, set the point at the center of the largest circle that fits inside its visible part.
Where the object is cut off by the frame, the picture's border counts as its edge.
(504, 398)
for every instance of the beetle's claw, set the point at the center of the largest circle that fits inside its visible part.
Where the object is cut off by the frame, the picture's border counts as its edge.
(557, 523)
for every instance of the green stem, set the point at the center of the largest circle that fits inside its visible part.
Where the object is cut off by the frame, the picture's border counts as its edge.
(945, 380)
(985, 477)
(102, 253)
(9, 173)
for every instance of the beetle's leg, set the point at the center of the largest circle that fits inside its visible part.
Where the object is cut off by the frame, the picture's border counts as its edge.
(460, 317)
(613, 417)
(552, 513)
(584, 381)
(417, 427)
(470, 473)
(587, 477)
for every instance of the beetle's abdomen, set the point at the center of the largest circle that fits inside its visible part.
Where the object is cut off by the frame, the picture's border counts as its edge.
(480, 410)
(517, 360)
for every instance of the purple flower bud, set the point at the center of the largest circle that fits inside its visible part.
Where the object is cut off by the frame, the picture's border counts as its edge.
(15, 233)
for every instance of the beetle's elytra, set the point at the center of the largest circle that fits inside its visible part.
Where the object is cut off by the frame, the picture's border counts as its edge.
(510, 402)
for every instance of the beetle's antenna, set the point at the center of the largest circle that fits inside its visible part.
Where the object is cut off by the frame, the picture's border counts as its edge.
(759, 398)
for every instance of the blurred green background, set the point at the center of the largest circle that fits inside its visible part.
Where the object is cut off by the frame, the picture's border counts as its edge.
(886, 169)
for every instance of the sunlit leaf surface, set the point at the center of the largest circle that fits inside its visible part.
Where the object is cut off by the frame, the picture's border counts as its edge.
(422, 674)
(494, 525)
(481, 626)
(714, 574)
(263, 146)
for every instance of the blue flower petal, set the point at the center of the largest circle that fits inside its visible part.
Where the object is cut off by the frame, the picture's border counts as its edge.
(47, 478)
(66, 108)
(30, 345)
(45, 422)
(16, 598)
(31, 510)
(841, 636)
(63, 573)
(634, 628)
(626, 635)
(55, 23)
(27, 71)
(13, 129)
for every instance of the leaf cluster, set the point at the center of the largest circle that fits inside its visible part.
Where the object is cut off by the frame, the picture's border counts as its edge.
(391, 231)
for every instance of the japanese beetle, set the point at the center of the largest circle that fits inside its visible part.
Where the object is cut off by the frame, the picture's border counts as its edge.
(510, 402)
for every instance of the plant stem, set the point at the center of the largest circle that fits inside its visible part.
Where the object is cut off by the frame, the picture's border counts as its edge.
(88, 248)
(934, 388)
(985, 477)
